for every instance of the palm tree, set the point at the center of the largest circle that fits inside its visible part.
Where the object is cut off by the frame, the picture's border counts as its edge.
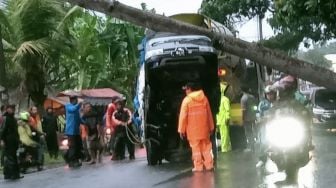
(77, 49)
(32, 24)
(5, 29)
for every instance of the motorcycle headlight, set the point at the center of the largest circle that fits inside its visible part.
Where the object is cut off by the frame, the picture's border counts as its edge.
(65, 142)
(108, 131)
(285, 132)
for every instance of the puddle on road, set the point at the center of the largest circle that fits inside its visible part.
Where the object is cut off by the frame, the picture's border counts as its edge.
(275, 179)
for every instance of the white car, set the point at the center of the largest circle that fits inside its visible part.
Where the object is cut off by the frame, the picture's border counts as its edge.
(324, 104)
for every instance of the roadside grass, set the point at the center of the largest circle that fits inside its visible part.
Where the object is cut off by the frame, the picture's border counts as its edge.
(52, 163)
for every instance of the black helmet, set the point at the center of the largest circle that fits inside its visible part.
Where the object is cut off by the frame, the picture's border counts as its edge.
(121, 101)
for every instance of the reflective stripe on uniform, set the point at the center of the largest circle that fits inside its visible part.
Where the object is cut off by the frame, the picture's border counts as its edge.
(197, 154)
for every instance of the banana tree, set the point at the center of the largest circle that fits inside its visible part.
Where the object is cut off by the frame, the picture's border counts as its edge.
(102, 54)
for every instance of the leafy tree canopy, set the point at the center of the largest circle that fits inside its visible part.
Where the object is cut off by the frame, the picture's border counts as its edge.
(51, 45)
(293, 21)
(316, 55)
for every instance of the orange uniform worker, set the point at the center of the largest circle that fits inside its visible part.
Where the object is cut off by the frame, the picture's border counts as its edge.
(196, 124)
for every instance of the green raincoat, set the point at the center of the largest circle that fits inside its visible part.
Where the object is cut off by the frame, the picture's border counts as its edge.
(223, 117)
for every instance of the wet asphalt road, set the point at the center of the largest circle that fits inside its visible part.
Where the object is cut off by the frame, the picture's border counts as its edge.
(235, 170)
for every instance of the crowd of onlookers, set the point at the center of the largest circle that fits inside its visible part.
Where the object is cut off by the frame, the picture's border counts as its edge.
(86, 132)
(28, 132)
(83, 127)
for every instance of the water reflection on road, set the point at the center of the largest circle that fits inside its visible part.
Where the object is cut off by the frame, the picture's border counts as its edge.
(276, 179)
(237, 169)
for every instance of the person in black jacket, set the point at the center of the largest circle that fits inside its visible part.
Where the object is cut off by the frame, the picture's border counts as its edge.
(122, 119)
(9, 138)
(94, 127)
(49, 125)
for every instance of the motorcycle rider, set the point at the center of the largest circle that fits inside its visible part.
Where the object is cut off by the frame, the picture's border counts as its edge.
(27, 139)
(288, 104)
(248, 103)
(287, 88)
(263, 107)
(122, 120)
(267, 103)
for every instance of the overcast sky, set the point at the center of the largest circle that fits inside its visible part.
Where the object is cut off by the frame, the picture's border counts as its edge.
(248, 31)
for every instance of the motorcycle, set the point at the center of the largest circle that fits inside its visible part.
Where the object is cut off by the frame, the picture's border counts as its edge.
(64, 147)
(108, 141)
(289, 142)
(64, 143)
(28, 156)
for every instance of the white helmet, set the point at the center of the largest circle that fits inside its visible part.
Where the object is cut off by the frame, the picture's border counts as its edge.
(269, 89)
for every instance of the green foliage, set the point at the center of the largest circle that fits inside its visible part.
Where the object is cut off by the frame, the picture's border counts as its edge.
(101, 52)
(316, 19)
(48, 44)
(230, 12)
(28, 41)
(293, 21)
(286, 41)
(316, 55)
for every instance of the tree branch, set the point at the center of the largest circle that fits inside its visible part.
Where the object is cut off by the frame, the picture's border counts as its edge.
(253, 51)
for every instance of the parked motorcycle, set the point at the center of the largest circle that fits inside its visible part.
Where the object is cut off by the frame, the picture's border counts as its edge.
(108, 141)
(28, 156)
(64, 143)
(288, 142)
(64, 147)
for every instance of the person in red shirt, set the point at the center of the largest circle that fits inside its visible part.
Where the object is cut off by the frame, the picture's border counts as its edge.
(111, 108)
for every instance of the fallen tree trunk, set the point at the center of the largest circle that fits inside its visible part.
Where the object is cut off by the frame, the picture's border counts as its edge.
(253, 51)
